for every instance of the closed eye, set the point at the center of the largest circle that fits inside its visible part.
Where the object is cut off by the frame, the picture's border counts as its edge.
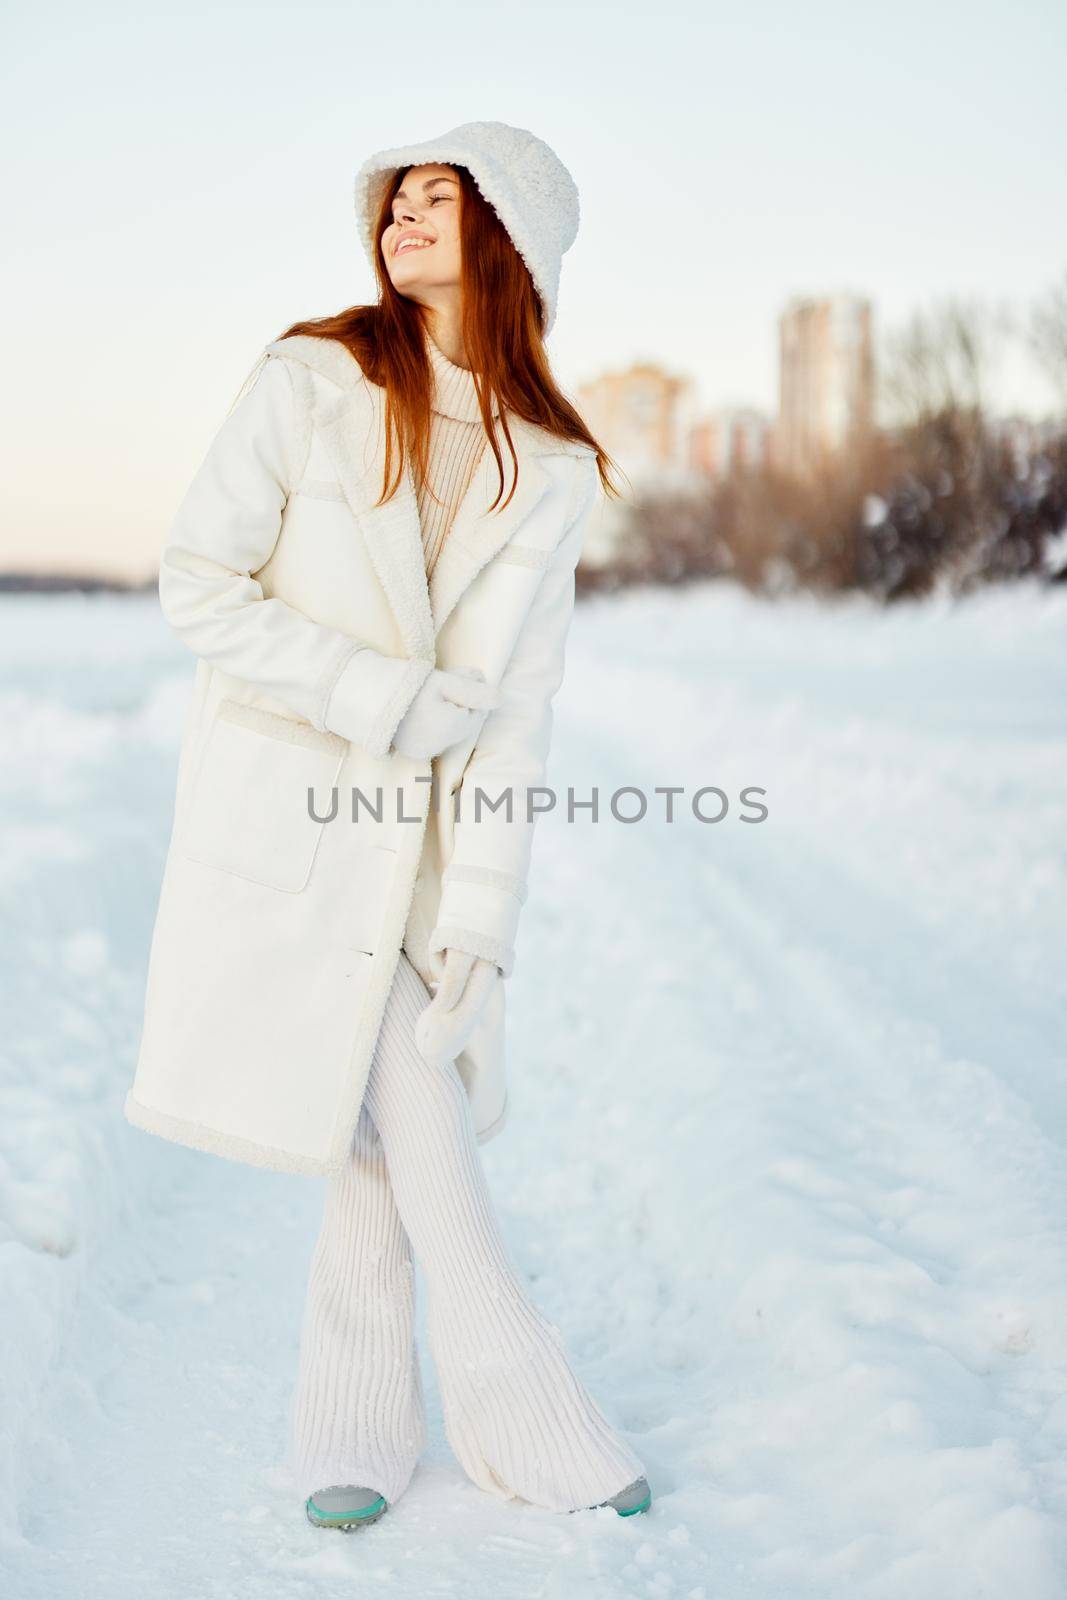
(433, 201)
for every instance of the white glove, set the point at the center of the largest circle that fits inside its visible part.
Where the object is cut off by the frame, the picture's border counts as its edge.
(448, 1021)
(448, 709)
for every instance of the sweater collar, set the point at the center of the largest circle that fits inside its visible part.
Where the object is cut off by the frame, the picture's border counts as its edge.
(453, 388)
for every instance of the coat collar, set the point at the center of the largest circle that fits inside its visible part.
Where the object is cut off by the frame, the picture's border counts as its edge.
(352, 427)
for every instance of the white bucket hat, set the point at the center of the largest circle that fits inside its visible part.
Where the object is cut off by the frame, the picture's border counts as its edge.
(522, 178)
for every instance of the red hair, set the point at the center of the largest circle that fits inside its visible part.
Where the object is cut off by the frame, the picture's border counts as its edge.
(502, 327)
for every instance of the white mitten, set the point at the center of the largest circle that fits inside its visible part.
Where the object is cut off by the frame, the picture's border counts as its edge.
(450, 707)
(448, 1021)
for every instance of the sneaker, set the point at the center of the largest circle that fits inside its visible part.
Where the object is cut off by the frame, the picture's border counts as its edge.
(637, 1496)
(344, 1507)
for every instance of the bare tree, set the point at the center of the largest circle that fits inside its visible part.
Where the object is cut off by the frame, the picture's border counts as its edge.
(1047, 335)
(941, 361)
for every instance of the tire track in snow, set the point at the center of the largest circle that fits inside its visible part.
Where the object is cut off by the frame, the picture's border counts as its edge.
(865, 1107)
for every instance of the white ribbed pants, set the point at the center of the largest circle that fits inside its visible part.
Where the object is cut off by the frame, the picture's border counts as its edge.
(519, 1421)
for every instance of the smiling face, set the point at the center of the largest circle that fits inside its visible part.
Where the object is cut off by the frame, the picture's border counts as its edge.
(421, 246)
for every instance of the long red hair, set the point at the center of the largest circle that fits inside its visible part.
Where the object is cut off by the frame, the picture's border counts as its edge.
(502, 326)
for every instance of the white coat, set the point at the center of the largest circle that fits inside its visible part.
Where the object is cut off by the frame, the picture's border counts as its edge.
(277, 935)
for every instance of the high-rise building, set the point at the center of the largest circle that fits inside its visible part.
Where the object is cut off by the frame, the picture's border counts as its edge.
(641, 417)
(826, 381)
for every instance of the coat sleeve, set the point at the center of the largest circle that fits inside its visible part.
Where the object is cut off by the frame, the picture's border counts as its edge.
(225, 530)
(484, 882)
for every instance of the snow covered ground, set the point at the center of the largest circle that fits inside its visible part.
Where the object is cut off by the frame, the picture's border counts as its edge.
(786, 1161)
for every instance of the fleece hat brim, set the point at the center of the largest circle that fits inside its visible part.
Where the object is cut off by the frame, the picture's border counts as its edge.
(520, 176)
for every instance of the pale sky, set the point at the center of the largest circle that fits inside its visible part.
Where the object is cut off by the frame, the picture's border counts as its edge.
(179, 190)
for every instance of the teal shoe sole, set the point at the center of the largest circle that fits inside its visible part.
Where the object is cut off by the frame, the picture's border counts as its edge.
(632, 1511)
(621, 1503)
(346, 1521)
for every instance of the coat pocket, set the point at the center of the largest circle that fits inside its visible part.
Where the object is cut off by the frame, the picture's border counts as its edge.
(249, 811)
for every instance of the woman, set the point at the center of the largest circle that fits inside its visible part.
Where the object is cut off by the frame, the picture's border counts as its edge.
(379, 638)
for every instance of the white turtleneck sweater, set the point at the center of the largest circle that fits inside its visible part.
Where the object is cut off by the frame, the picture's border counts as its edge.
(457, 440)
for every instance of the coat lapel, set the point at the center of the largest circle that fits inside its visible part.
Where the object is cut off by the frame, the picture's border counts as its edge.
(353, 431)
